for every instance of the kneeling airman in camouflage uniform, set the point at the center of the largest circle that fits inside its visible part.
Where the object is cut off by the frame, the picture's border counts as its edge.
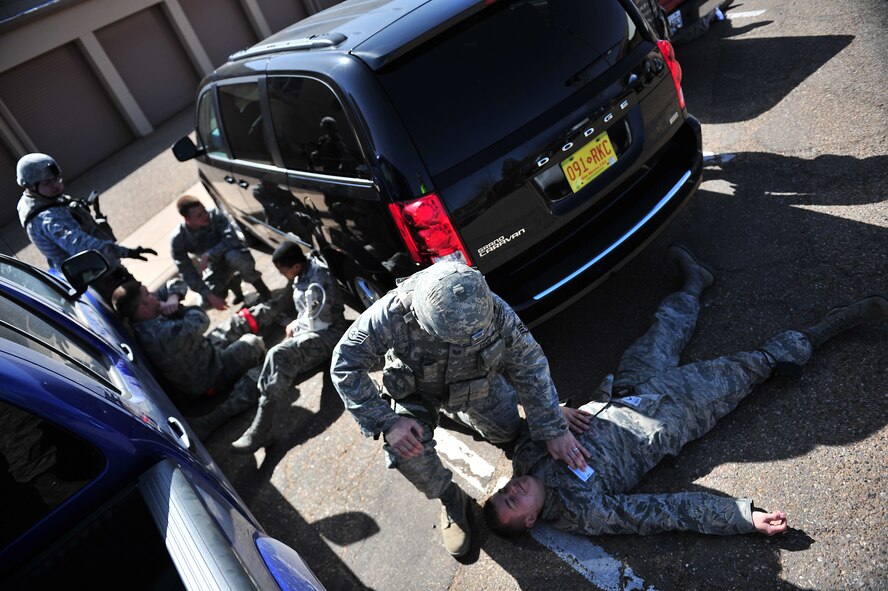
(447, 343)
(650, 410)
(224, 258)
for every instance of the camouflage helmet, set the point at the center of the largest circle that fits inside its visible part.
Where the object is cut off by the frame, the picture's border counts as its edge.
(452, 302)
(36, 168)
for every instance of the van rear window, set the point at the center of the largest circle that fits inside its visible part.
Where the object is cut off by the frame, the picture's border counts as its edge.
(499, 69)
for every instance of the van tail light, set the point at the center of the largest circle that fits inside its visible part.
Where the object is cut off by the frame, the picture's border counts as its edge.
(674, 68)
(427, 231)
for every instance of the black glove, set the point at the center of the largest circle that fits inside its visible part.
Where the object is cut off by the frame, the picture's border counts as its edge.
(137, 252)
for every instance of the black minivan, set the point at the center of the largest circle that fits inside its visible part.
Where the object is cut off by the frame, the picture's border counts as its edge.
(544, 142)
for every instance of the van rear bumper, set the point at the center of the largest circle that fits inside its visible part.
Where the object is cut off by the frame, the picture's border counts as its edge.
(573, 263)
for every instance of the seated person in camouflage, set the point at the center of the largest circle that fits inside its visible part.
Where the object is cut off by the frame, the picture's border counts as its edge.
(449, 344)
(224, 258)
(60, 226)
(650, 410)
(309, 342)
(172, 337)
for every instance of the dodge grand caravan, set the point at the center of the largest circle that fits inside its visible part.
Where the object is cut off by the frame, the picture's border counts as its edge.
(544, 142)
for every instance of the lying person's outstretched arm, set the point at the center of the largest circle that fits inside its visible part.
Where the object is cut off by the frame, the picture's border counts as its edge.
(769, 523)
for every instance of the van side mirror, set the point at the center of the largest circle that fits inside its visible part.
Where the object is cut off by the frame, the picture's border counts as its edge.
(184, 150)
(82, 269)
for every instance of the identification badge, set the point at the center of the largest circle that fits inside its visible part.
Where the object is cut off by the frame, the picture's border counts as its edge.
(632, 401)
(583, 475)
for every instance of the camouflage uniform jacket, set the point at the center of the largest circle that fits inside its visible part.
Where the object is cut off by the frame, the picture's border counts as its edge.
(214, 240)
(62, 231)
(623, 443)
(327, 309)
(433, 372)
(177, 347)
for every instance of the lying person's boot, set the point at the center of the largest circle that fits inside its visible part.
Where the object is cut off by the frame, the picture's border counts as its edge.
(260, 432)
(455, 527)
(697, 275)
(842, 318)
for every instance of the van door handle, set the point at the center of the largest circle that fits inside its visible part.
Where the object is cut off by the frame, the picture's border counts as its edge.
(229, 180)
(243, 184)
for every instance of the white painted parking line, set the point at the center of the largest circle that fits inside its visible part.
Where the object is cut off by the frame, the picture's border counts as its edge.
(746, 14)
(463, 461)
(712, 157)
(591, 561)
(597, 566)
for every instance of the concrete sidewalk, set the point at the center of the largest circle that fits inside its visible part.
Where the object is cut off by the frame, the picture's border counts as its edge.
(155, 233)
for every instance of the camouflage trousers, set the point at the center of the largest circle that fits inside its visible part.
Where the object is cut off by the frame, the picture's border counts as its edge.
(236, 326)
(240, 350)
(655, 356)
(677, 404)
(220, 272)
(294, 355)
(494, 417)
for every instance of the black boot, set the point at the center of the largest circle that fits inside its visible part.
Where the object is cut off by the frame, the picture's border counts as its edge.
(262, 290)
(842, 318)
(261, 431)
(239, 400)
(697, 275)
(236, 290)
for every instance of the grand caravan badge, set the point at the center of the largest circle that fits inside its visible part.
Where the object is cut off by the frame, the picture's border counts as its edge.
(498, 242)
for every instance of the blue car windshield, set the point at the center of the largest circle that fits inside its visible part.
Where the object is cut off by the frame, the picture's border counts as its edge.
(21, 326)
(36, 285)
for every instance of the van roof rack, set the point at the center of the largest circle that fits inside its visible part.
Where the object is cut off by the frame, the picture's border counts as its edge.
(323, 41)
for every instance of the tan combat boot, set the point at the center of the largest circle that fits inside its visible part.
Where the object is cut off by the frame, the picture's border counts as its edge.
(842, 318)
(697, 275)
(455, 527)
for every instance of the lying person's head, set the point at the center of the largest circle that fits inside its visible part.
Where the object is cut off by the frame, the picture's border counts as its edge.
(133, 301)
(514, 509)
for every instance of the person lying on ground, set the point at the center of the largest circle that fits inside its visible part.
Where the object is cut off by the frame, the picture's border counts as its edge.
(650, 410)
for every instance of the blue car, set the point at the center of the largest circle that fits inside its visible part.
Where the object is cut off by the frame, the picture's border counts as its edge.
(103, 485)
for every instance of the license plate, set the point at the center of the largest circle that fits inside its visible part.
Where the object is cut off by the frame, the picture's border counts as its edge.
(588, 162)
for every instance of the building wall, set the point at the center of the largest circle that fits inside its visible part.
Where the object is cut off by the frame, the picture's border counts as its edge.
(221, 26)
(64, 109)
(154, 66)
(79, 79)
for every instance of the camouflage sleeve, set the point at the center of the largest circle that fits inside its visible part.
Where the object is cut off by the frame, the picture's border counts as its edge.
(186, 267)
(361, 348)
(224, 229)
(67, 234)
(528, 371)
(180, 333)
(646, 514)
(171, 287)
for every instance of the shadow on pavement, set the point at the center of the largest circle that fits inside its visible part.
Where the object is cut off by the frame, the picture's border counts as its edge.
(298, 424)
(286, 524)
(793, 237)
(752, 75)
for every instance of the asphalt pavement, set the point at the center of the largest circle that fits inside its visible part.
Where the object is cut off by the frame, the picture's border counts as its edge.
(792, 214)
